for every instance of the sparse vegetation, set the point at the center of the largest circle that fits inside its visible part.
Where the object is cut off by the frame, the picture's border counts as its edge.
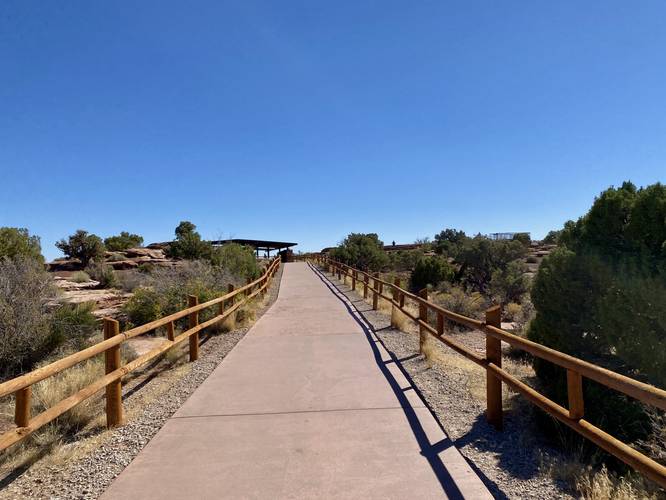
(99, 271)
(74, 324)
(25, 331)
(80, 277)
(123, 241)
(83, 246)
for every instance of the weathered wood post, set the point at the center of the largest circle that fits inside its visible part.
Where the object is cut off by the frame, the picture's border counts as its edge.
(170, 331)
(375, 289)
(423, 317)
(22, 410)
(354, 279)
(365, 286)
(575, 393)
(193, 300)
(114, 404)
(493, 383)
(339, 272)
(394, 303)
(440, 324)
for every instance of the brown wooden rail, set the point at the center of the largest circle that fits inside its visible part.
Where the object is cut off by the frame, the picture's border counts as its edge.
(577, 369)
(110, 346)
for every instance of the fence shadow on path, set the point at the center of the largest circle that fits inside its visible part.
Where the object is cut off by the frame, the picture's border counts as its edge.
(429, 450)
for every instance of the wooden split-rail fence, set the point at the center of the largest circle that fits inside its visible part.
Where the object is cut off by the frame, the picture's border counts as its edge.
(576, 369)
(21, 386)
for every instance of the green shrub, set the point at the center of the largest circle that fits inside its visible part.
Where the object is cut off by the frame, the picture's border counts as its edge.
(523, 238)
(553, 237)
(188, 244)
(25, 334)
(363, 251)
(103, 273)
(509, 283)
(80, 277)
(73, 324)
(17, 242)
(449, 241)
(456, 299)
(479, 257)
(236, 259)
(144, 306)
(404, 260)
(603, 298)
(123, 241)
(430, 271)
(82, 246)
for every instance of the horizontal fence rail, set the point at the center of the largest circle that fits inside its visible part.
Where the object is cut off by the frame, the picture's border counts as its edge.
(576, 369)
(22, 386)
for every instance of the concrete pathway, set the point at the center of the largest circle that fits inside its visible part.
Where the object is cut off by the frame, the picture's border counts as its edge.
(307, 405)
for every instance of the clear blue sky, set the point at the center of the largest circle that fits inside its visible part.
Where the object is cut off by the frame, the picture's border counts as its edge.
(305, 121)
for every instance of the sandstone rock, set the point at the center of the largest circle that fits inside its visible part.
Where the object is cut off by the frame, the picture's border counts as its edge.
(150, 253)
(123, 264)
(64, 265)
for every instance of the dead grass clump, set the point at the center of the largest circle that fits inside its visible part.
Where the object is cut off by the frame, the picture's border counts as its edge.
(52, 390)
(399, 320)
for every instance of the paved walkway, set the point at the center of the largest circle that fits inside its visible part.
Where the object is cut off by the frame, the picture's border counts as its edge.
(307, 405)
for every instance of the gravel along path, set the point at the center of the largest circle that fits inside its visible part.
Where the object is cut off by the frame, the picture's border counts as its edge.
(85, 474)
(454, 389)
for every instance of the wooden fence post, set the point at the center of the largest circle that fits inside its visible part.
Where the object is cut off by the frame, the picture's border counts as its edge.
(339, 273)
(440, 324)
(493, 383)
(170, 331)
(423, 316)
(22, 411)
(193, 300)
(365, 286)
(114, 404)
(375, 288)
(353, 280)
(575, 393)
(394, 303)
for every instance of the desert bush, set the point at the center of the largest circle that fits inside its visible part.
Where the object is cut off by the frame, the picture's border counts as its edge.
(99, 271)
(188, 244)
(131, 279)
(17, 242)
(25, 333)
(80, 277)
(456, 299)
(144, 306)
(603, 297)
(430, 271)
(83, 246)
(479, 257)
(74, 324)
(404, 260)
(237, 260)
(449, 241)
(512, 310)
(123, 241)
(509, 283)
(363, 251)
(553, 237)
(523, 238)
(165, 290)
